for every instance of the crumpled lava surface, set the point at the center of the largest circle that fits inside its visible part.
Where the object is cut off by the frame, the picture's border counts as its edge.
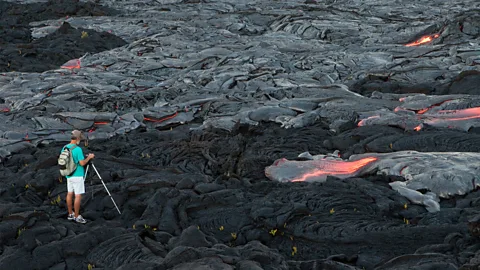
(186, 103)
(441, 174)
(459, 112)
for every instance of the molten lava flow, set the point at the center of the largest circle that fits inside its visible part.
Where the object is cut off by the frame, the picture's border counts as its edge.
(337, 167)
(162, 119)
(424, 110)
(470, 113)
(72, 64)
(423, 40)
(97, 124)
(362, 122)
(465, 118)
(456, 115)
(446, 116)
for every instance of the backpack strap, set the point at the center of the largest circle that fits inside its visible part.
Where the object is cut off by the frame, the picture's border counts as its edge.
(69, 148)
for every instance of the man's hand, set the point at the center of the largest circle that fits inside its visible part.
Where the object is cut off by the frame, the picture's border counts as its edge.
(86, 160)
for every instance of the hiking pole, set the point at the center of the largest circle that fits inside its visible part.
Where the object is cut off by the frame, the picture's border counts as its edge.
(86, 172)
(85, 177)
(93, 166)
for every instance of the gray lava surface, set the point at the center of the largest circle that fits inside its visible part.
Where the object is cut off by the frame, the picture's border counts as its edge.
(187, 104)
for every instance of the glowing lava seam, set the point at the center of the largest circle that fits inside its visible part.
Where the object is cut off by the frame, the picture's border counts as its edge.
(162, 119)
(72, 64)
(423, 40)
(338, 167)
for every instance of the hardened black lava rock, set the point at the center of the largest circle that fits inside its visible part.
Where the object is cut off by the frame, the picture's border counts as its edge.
(185, 103)
(20, 52)
(52, 51)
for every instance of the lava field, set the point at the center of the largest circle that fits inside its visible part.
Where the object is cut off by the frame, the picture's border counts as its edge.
(242, 134)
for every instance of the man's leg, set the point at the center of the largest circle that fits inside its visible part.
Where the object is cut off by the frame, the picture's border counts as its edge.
(69, 197)
(79, 190)
(78, 200)
(69, 202)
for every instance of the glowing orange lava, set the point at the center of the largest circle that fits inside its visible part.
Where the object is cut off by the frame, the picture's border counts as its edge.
(101, 123)
(361, 123)
(462, 112)
(162, 119)
(423, 40)
(72, 64)
(337, 167)
(424, 110)
(458, 115)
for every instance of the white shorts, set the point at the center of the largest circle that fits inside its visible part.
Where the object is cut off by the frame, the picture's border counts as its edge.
(76, 185)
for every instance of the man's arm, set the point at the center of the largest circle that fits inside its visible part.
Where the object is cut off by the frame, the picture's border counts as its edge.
(82, 160)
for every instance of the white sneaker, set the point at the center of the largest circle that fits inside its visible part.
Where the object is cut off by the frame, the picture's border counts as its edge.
(80, 219)
(71, 216)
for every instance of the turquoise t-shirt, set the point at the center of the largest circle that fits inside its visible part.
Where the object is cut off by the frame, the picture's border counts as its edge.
(77, 154)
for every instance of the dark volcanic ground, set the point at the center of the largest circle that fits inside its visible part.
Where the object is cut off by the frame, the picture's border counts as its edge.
(187, 102)
(20, 52)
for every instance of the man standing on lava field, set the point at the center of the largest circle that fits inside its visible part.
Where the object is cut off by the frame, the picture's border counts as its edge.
(75, 181)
